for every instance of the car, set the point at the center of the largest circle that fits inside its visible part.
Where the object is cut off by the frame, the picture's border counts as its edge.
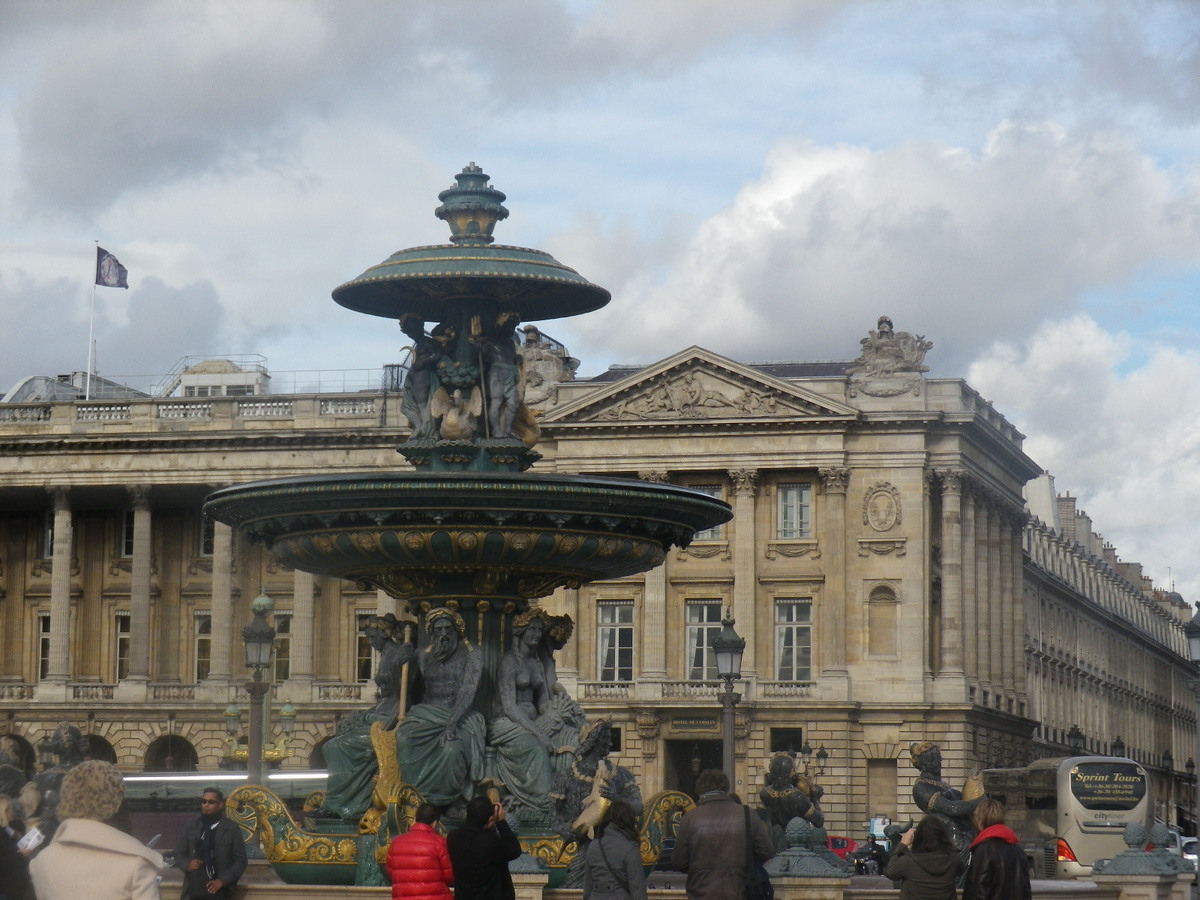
(842, 846)
(1187, 848)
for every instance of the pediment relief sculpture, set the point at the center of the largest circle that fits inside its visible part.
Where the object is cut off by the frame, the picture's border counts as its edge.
(698, 395)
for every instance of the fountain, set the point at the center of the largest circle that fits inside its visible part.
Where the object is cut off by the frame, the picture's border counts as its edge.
(468, 540)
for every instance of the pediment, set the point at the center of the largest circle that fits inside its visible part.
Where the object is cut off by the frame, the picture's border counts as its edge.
(696, 385)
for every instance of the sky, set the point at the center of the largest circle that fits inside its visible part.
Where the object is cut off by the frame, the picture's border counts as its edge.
(1019, 182)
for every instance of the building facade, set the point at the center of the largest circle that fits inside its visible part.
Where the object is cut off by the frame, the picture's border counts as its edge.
(882, 564)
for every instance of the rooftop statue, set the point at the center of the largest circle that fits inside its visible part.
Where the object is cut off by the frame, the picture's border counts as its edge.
(889, 352)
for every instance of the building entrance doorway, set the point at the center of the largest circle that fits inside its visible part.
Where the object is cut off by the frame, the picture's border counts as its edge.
(687, 759)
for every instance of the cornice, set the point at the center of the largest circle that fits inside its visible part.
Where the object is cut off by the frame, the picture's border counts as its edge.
(160, 443)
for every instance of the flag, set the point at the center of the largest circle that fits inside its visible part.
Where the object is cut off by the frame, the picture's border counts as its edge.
(109, 272)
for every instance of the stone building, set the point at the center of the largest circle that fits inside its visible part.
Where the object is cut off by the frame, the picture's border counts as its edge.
(882, 564)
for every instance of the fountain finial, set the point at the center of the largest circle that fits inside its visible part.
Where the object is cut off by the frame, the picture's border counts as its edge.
(472, 207)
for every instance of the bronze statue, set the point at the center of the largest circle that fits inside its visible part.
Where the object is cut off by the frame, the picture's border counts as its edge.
(935, 797)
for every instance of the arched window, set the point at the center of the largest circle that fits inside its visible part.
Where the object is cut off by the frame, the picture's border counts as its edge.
(171, 753)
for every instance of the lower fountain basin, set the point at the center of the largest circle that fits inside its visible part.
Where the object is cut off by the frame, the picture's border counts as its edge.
(505, 536)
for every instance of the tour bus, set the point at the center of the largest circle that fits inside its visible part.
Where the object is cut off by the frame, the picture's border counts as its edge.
(162, 803)
(1071, 811)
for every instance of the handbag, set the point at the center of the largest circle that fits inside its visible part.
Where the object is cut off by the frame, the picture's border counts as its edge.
(758, 883)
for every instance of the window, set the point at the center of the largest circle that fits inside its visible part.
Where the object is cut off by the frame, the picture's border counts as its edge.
(717, 532)
(48, 535)
(43, 645)
(614, 649)
(121, 651)
(794, 519)
(793, 639)
(127, 534)
(364, 661)
(207, 527)
(203, 625)
(703, 625)
(283, 646)
(239, 390)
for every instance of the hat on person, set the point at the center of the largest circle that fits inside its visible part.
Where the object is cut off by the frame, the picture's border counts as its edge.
(91, 790)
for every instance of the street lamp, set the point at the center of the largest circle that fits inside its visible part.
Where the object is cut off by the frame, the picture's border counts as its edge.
(1075, 740)
(1192, 631)
(258, 637)
(1118, 747)
(727, 647)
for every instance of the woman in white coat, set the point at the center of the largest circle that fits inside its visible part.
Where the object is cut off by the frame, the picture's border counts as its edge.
(87, 857)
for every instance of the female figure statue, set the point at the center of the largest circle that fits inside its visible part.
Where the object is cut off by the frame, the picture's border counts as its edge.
(517, 732)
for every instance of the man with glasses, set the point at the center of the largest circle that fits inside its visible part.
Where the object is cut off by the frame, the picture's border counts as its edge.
(212, 852)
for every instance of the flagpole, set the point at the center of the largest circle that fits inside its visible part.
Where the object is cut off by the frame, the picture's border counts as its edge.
(87, 391)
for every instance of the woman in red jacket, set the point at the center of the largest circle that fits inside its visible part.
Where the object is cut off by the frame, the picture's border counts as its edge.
(999, 869)
(417, 861)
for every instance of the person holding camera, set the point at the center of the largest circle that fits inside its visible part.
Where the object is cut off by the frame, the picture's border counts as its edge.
(480, 851)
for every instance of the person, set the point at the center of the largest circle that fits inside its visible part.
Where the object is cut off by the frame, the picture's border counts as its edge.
(710, 843)
(88, 857)
(480, 851)
(440, 743)
(418, 862)
(876, 854)
(520, 724)
(15, 883)
(936, 798)
(212, 851)
(927, 864)
(613, 869)
(999, 869)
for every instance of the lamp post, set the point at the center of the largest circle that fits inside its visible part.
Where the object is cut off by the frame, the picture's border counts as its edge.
(727, 647)
(1192, 630)
(1075, 740)
(1118, 747)
(258, 637)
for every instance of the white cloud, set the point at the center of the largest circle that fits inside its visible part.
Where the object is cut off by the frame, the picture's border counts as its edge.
(1127, 445)
(967, 246)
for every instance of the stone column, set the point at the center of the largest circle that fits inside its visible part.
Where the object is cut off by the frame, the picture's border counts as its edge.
(832, 525)
(952, 573)
(995, 596)
(223, 638)
(745, 488)
(303, 604)
(970, 594)
(59, 667)
(652, 627)
(139, 582)
(983, 597)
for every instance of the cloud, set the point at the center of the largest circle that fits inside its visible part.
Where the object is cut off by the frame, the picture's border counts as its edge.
(1126, 443)
(967, 246)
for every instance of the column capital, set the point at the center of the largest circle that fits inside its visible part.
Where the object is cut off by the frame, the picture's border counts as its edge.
(60, 496)
(951, 481)
(834, 479)
(655, 477)
(745, 482)
(139, 495)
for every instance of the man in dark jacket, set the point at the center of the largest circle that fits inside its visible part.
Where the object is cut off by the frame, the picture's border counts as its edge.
(212, 850)
(710, 844)
(480, 852)
(999, 869)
